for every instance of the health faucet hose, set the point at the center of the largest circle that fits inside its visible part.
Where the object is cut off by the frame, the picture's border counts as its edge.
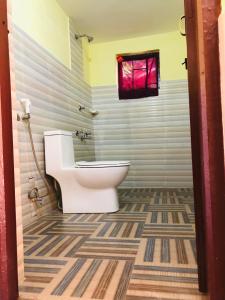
(27, 104)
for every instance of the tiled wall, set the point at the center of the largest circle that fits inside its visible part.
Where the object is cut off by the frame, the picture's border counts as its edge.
(55, 93)
(19, 229)
(153, 133)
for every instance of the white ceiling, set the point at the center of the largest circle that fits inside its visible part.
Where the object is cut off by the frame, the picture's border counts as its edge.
(108, 20)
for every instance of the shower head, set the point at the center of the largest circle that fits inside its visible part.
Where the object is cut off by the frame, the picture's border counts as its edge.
(78, 36)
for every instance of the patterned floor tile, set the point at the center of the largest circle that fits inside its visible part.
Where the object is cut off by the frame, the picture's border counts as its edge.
(39, 226)
(134, 207)
(39, 272)
(168, 230)
(166, 207)
(120, 229)
(167, 252)
(171, 217)
(85, 218)
(124, 217)
(145, 251)
(29, 240)
(70, 228)
(120, 249)
(135, 195)
(56, 246)
(91, 278)
(165, 283)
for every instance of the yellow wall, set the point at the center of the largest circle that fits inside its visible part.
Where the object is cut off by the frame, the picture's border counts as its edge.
(223, 4)
(46, 23)
(172, 46)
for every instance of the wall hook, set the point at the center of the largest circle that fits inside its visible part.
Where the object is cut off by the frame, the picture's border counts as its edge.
(180, 22)
(185, 63)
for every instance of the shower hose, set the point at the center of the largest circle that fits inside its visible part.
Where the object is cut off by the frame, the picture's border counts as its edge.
(48, 187)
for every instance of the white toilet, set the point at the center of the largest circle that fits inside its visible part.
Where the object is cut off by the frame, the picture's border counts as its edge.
(87, 187)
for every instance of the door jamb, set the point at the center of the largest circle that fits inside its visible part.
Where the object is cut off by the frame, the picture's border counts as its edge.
(210, 148)
(8, 242)
(211, 142)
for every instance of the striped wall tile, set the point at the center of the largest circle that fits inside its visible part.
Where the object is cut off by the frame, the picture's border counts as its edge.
(55, 93)
(153, 133)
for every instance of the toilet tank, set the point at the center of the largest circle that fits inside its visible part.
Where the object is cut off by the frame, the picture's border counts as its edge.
(59, 151)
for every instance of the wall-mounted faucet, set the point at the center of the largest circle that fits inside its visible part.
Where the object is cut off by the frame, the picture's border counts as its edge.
(88, 135)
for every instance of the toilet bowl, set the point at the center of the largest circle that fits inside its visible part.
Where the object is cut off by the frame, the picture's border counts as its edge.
(86, 187)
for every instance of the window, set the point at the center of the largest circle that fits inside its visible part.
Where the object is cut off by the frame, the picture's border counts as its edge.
(138, 75)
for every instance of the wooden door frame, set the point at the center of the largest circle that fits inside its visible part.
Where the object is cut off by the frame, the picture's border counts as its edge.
(207, 149)
(207, 141)
(8, 242)
(195, 121)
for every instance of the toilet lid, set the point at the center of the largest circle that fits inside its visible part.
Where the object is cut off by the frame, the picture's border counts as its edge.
(101, 164)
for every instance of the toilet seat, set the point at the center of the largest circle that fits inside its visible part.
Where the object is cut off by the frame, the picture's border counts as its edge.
(101, 164)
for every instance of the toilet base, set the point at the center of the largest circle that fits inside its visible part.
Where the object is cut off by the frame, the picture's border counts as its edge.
(83, 200)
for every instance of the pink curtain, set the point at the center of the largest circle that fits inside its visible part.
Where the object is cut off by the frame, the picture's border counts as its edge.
(138, 75)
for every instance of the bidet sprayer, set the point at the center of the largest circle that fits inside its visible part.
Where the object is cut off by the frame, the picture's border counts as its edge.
(26, 103)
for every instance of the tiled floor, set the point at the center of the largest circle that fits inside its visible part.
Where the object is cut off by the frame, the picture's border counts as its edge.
(144, 251)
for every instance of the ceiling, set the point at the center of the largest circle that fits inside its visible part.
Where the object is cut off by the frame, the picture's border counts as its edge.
(108, 20)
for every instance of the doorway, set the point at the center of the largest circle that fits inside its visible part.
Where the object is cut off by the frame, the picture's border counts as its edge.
(219, 290)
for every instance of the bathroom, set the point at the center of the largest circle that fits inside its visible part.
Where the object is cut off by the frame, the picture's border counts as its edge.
(145, 250)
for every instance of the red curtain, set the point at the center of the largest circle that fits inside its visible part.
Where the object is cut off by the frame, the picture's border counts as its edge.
(138, 75)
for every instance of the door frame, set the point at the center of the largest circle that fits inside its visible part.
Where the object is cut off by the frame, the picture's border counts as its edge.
(207, 142)
(207, 151)
(8, 241)
(195, 112)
